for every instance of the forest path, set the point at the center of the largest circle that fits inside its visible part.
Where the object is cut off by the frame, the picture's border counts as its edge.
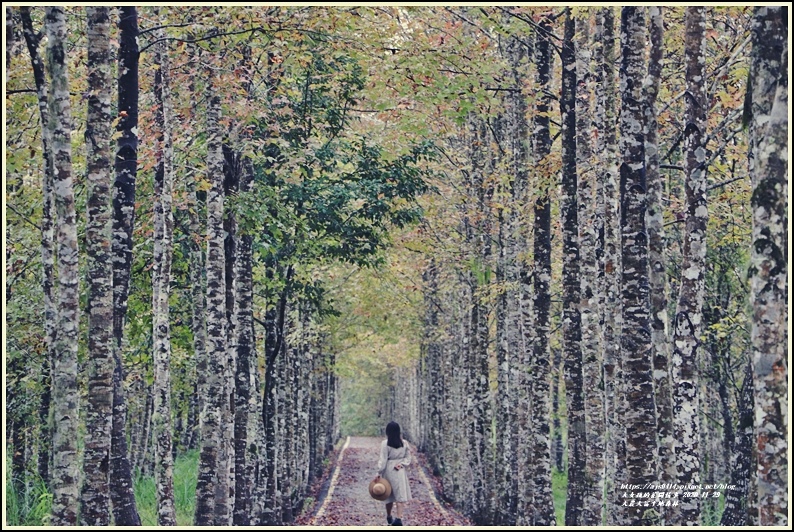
(348, 501)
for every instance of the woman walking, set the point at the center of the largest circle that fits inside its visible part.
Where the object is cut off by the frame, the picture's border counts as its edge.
(394, 457)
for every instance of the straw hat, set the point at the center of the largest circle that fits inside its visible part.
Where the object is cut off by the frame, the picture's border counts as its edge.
(380, 489)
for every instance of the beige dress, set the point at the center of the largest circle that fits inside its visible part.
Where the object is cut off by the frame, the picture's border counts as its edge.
(390, 457)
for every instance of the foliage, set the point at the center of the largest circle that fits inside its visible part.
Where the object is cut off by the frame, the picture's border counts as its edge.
(28, 505)
(185, 477)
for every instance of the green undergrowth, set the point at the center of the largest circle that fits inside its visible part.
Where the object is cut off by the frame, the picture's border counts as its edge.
(559, 490)
(185, 477)
(28, 506)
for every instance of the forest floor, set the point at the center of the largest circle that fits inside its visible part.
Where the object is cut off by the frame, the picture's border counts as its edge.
(345, 499)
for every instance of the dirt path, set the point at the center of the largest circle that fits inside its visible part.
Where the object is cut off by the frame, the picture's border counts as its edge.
(348, 502)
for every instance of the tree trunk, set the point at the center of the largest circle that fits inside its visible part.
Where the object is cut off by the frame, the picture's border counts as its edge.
(478, 385)
(246, 364)
(211, 438)
(64, 376)
(224, 489)
(125, 511)
(656, 254)
(198, 295)
(161, 290)
(94, 499)
(609, 263)
(590, 228)
(640, 418)
(768, 270)
(737, 499)
(689, 310)
(571, 318)
(32, 40)
(541, 510)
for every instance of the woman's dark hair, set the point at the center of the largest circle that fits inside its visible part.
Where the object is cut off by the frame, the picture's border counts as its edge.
(393, 435)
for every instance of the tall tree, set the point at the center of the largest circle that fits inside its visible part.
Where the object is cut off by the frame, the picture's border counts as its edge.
(64, 375)
(737, 501)
(571, 283)
(161, 288)
(656, 251)
(590, 229)
(125, 511)
(541, 510)
(32, 40)
(246, 362)
(640, 418)
(216, 316)
(609, 263)
(95, 500)
(769, 259)
(689, 309)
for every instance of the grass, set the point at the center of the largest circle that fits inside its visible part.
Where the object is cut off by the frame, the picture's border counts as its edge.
(559, 491)
(31, 507)
(185, 477)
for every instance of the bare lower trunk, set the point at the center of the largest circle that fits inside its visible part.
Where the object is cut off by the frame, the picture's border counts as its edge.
(216, 320)
(541, 510)
(125, 512)
(94, 498)
(64, 376)
(32, 40)
(769, 260)
(590, 229)
(689, 310)
(571, 317)
(246, 364)
(640, 418)
(737, 500)
(161, 290)
(656, 254)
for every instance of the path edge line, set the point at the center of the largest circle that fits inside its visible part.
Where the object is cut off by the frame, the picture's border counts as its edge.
(332, 485)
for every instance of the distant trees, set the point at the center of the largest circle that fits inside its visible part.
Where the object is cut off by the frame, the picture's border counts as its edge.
(275, 165)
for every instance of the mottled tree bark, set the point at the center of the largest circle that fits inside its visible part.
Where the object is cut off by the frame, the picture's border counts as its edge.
(541, 510)
(737, 499)
(590, 229)
(514, 398)
(571, 283)
(769, 260)
(32, 40)
(64, 376)
(224, 489)
(656, 253)
(216, 319)
(640, 418)
(198, 295)
(246, 363)
(125, 512)
(94, 498)
(609, 262)
(689, 310)
(477, 365)
(161, 290)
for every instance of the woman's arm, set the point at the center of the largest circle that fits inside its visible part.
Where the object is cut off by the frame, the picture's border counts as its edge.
(384, 455)
(407, 460)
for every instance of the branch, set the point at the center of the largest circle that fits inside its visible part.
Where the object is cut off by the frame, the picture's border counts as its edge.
(25, 218)
(670, 167)
(199, 39)
(533, 24)
(19, 91)
(724, 183)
